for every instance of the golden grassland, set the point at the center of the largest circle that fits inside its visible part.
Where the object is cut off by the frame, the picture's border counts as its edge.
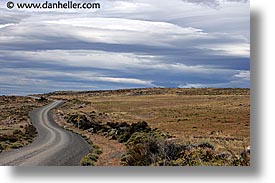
(219, 116)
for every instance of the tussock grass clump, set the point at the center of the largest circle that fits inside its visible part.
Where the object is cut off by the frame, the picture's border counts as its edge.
(151, 147)
(146, 149)
(18, 138)
(91, 158)
(87, 161)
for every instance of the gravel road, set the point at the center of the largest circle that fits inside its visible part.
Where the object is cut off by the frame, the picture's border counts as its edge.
(54, 146)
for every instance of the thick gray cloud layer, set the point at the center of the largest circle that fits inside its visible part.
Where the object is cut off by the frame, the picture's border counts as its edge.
(176, 43)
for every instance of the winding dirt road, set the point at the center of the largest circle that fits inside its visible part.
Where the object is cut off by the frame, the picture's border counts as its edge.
(54, 146)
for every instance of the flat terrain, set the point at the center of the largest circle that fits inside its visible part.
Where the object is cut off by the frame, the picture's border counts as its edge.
(190, 116)
(219, 116)
(53, 146)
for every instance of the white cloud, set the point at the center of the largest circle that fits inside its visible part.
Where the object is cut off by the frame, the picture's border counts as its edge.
(127, 6)
(101, 30)
(121, 32)
(127, 43)
(245, 75)
(214, 3)
(122, 80)
(5, 25)
(236, 49)
(126, 25)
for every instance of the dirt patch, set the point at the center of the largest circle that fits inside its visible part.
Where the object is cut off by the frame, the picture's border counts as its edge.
(112, 151)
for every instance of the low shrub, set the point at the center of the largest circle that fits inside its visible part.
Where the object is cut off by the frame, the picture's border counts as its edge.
(17, 132)
(86, 161)
(16, 145)
(91, 158)
(30, 131)
(146, 147)
(142, 150)
(98, 151)
(18, 138)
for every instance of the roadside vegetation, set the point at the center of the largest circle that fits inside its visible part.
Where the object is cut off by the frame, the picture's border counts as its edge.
(91, 158)
(147, 147)
(16, 129)
(165, 127)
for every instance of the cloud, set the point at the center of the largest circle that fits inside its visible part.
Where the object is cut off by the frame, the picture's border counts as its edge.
(96, 67)
(10, 17)
(124, 62)
(116, 31)
(214, 3)
(240, 79)
(242, 49)
(126, 44)
(100, 30)
(245, 75)
(5, 25)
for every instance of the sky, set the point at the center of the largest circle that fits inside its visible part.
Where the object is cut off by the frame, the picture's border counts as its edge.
(126, 44)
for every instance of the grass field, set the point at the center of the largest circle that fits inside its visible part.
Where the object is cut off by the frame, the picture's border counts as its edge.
(219, 116)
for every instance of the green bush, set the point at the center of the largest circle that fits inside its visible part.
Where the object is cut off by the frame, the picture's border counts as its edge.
(91, 158)
(16, 145)
(86, 161)
(98, 151)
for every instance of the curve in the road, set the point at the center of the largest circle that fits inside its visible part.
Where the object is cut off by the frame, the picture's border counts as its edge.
(54, 146)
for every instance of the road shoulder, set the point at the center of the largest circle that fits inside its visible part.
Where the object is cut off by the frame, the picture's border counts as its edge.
(112, 150)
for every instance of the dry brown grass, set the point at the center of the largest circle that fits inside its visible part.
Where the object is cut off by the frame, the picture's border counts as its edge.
(14, 112)
(14, 120)
(220, 116)
(112, 151)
